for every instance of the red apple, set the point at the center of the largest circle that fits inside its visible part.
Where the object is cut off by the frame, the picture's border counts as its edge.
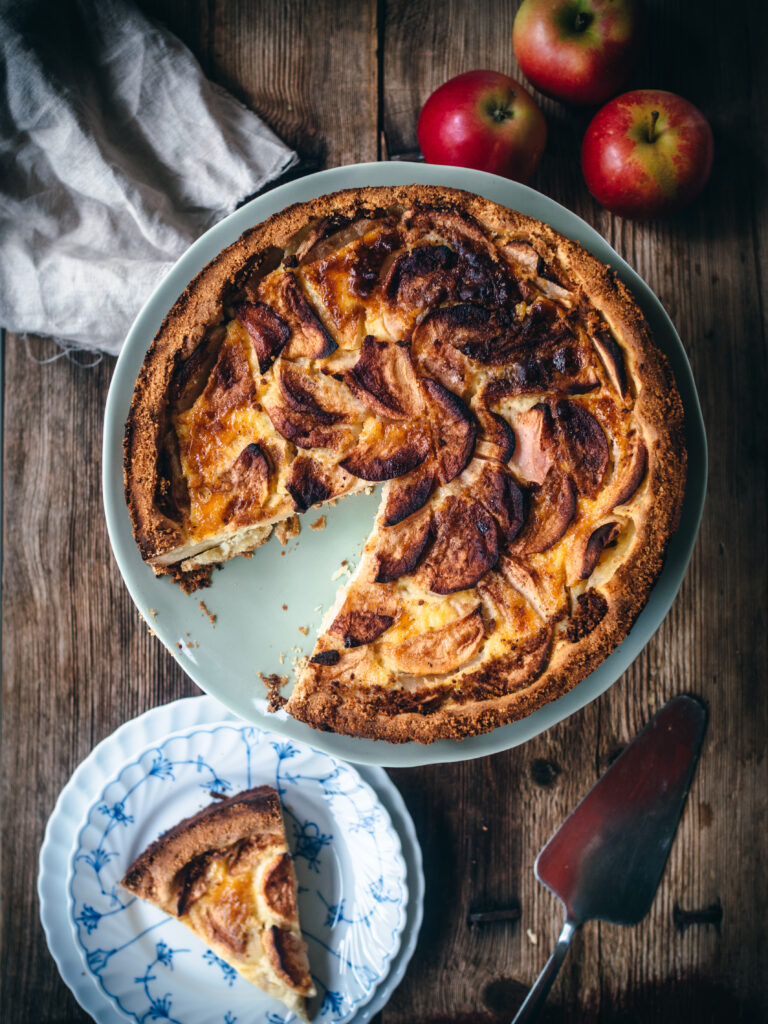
(647, 153)
(579, 51)
(485, 120)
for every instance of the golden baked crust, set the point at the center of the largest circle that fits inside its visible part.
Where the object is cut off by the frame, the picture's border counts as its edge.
(227, 874)
(499, 378)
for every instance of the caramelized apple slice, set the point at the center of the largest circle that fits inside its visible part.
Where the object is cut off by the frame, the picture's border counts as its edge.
(543, 326)
(470, 328)
(491, 485)
(440, 650)
(535, 445)
(408, 494)
(560, 367)
(310, 482)
(496, 438)
(508, 606)
(326, 239)
(525, 259)
(585, 445)
(415, 282)
(586, 550)
(421, 277)
(366, 262)
(268, 331)
(249, 474)
(230, 384)
(311, 409)
(629, 474)
(433, 352)
(551, 509)
(547, 598)
(367, 612)
(491, 336)
(385, 451)
(456, 227)
(522, 256)
(384, 380)
(401, 547)
(612, 359)
(308, 393)
(309, 339)
(454, 429)
(305, 430)
(488, 337)
(466, 546)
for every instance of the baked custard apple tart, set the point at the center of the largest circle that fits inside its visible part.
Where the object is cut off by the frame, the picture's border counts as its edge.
(498, 380)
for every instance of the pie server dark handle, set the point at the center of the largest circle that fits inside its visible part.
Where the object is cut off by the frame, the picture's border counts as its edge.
(535, 999)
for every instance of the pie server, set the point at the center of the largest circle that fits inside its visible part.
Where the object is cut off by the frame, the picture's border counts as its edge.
(606, 859)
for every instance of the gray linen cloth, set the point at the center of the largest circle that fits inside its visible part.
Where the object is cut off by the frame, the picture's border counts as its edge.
(115, 154)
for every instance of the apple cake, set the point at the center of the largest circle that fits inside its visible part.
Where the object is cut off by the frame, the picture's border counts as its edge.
(226, 873)
(501, 383)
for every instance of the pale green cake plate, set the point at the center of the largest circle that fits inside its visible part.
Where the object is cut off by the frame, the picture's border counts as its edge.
(253, 633)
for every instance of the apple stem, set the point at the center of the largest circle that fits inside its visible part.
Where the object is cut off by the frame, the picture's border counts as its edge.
(581, 21)
(652, 129)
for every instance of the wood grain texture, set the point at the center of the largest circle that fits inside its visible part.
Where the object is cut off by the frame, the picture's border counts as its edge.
(78, 660)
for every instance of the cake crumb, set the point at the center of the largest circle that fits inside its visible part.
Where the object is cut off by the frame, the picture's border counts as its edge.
(285, 607)
(205, 611)
(319, 524)
(304, 630)
(178, 644)
(287, 529)
(298, 663)
(274, 683)
(152, 632)
(282, 657)
(533, 938)
(153, 613)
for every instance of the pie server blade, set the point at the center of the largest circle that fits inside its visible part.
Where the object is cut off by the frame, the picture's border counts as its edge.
(606, 859)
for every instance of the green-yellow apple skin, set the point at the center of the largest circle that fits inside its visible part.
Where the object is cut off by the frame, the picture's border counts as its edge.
(646, 154)
(578, 51)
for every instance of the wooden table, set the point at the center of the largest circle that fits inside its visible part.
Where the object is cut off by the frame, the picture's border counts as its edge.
(343, 82)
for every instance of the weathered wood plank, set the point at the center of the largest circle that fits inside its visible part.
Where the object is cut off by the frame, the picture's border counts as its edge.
(77, 661)
(308, 68)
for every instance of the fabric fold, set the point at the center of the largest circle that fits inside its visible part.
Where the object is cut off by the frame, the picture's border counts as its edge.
(116, 154)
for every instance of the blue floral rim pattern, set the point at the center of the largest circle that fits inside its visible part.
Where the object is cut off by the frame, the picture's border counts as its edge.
(351, 874)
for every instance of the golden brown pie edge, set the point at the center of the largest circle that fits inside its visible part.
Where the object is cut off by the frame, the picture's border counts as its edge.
(216, 826)
(658, 408)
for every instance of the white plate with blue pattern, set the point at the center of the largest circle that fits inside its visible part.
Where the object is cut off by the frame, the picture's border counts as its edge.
(353, 878)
